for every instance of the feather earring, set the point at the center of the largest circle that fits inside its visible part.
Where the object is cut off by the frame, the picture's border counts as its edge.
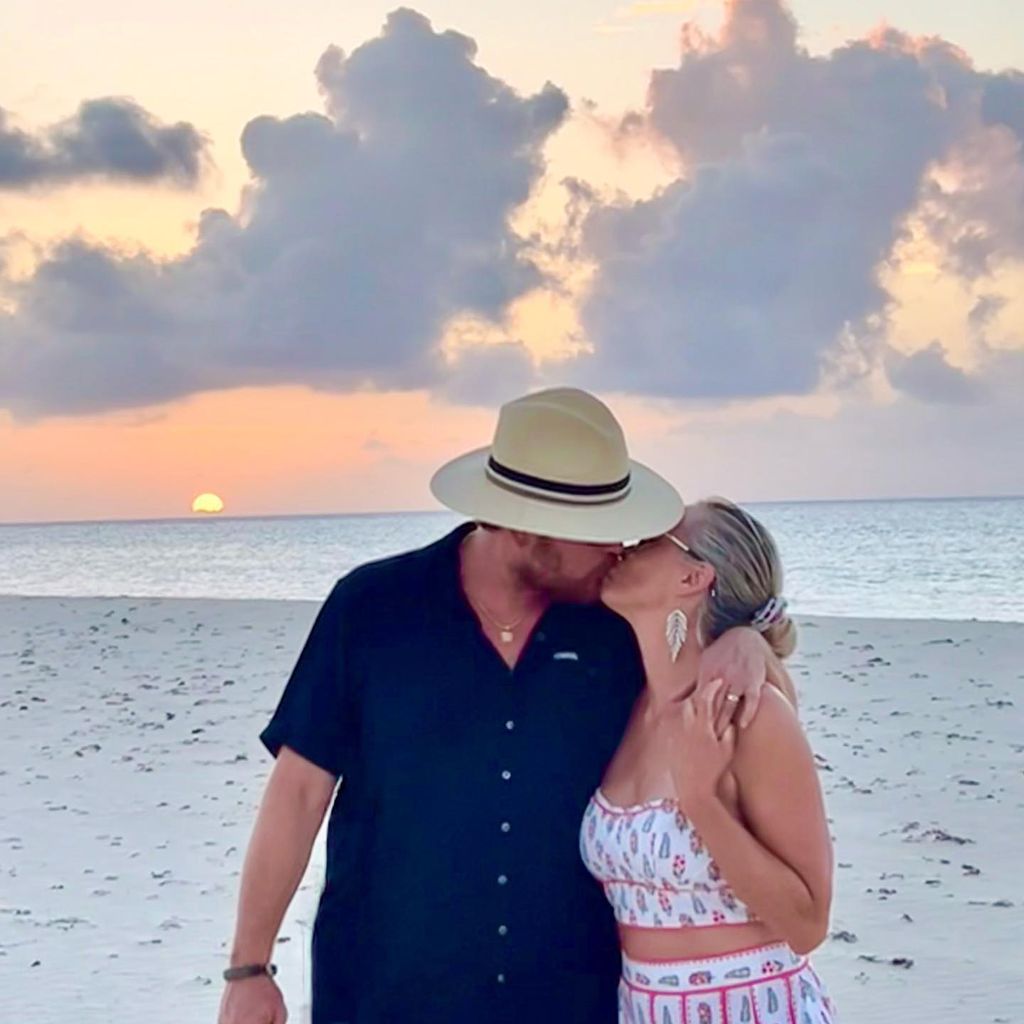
(675, 631)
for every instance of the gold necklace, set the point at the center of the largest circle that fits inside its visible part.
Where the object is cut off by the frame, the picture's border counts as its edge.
(504, 631)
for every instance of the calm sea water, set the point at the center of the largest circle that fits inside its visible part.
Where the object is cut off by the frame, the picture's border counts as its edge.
(956, 559)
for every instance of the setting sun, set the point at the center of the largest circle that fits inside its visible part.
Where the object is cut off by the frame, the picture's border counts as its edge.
(207, 502)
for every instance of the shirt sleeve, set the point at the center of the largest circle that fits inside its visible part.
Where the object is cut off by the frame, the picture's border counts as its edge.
(316, 713)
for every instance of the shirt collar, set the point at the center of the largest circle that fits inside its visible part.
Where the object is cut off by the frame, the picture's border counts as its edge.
(449, 567)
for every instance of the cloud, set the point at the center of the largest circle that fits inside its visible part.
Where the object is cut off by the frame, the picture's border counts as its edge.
(1002, 100)
(112, 139)
(363, 233)
(370, 229)
(976, 215)
(901, 448)
(984, 311)
(489, 374)
(928, 376)
(799, 176)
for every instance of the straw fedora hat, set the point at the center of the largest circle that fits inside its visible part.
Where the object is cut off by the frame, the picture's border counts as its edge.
(558, 467)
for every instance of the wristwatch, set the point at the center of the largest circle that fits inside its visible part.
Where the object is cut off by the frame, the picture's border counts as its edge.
(249, 971)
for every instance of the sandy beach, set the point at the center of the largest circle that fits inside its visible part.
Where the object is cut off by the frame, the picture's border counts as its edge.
(132, 770)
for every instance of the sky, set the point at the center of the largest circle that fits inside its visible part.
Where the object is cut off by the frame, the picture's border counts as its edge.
(297, 254)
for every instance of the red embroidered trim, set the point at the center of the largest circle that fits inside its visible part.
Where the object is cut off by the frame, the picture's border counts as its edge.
(748, 983)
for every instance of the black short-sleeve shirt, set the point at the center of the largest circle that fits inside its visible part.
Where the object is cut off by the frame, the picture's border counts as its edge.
(454, 890)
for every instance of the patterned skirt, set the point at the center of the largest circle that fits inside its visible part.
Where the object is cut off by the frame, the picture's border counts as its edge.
(763, 985)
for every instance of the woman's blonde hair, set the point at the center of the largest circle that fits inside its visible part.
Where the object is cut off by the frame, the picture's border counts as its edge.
(748, 572)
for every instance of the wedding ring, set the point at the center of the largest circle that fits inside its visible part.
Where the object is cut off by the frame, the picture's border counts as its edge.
(732, 697)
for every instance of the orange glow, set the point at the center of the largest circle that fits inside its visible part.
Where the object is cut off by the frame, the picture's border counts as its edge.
(284, 450)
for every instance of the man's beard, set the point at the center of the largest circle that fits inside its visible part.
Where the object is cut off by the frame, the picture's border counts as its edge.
(566, 591)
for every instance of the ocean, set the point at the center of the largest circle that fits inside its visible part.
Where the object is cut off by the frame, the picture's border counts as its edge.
(947, 559)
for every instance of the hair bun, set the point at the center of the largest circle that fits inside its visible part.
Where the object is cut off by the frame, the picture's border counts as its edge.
(781, 637)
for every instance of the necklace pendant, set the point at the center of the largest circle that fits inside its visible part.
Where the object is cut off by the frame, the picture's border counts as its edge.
(506, 636)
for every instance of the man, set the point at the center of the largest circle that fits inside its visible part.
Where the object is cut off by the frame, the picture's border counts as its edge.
(468, 696)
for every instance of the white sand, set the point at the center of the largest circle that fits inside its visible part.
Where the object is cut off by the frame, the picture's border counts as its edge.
(131, 770)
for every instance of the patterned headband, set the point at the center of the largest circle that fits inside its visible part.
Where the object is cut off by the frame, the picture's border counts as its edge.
(771, 612)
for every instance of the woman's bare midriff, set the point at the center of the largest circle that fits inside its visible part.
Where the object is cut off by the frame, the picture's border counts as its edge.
(692, 943)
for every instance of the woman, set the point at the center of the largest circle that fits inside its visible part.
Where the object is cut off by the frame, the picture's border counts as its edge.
(713, 850)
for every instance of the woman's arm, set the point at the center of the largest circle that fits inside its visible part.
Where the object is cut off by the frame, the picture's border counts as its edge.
(780, 862)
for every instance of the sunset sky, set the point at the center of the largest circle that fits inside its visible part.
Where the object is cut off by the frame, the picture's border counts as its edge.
(296, 254)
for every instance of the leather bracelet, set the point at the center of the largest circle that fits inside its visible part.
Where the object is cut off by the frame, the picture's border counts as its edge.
(249, 971)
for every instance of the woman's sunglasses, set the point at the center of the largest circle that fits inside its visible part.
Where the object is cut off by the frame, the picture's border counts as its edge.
(682, 545)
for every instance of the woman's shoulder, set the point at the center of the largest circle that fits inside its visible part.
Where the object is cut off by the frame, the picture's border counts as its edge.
(774, 728)
(775, 705)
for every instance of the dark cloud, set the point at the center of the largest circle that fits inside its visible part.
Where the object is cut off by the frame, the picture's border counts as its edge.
(985, 309)
(363, 233)
(112, 139)
(799, 173)
(929, 377)
(367, 229)
(1002, 101)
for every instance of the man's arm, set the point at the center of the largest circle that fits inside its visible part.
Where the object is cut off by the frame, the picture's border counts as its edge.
(742, 658)
(780, 678)
(291, 812)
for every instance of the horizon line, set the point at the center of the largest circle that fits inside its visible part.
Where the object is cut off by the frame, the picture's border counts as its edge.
(200, 516)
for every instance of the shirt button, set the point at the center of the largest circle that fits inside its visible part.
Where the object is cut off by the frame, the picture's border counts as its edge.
(502, 930)
(501, 979)
(505, 826)
(510, 725)
(502, 879)
(506, 775)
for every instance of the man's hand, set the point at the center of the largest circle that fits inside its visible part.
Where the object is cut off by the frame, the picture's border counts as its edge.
(252, 1001)
(740, 658)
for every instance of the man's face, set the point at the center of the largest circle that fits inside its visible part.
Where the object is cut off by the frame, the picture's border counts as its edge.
(566, 570)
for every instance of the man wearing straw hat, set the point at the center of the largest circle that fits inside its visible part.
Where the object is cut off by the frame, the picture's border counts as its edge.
(467, 697)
